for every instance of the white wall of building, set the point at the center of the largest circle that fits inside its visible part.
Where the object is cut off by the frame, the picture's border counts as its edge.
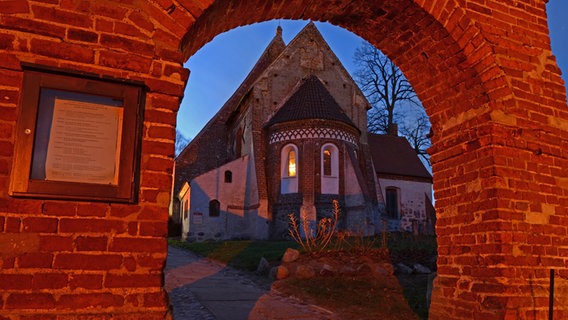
(184, 199)
(238, 203)
(412, 204)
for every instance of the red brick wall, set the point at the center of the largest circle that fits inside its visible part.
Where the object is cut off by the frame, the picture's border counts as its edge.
(62, 259)
(482, 68)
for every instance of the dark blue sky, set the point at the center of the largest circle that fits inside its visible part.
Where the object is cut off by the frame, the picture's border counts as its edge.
(221, 65)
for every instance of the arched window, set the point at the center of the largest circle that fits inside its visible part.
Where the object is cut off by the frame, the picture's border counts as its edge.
(228, 176)
(392, 201)
(289, 169)
(214, 208)
(326, 162)
(291, 163)
(329, 169)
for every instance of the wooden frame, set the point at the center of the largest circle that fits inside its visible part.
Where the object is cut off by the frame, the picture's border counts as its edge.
(77, 137)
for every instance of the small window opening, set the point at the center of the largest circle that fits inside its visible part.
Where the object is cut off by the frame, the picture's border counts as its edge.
(392, 203)
(214, 208)
(228, 176)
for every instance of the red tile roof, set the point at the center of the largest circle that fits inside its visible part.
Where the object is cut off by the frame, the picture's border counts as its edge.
(393, 155)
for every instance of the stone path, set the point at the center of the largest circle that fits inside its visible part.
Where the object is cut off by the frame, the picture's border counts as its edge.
(203, 289)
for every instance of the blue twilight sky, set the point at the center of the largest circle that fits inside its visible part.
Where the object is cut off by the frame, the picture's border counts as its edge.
(220, 66)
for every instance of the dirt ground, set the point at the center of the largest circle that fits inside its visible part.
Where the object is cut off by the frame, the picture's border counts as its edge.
(357, 285)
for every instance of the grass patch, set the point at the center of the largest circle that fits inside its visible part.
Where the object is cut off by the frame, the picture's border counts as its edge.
(243, 255)
(354, 297)
(415, 287)
(400, 242)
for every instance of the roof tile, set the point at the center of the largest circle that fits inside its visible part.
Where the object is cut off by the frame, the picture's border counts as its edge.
(310, 101)
(394, 155)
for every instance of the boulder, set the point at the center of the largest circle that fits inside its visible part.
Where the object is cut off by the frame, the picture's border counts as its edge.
(401, 268)
(327, 270)
(418, 268)
(263, 266)
(388, 267)
(279, 273)
(381, 271)
(305, 272)
(365, 268)
(347, 271)
(290, 255)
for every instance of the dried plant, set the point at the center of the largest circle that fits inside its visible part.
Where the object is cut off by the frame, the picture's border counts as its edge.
(384, 240)
(341, 240)
(314, 241)
(363, 244)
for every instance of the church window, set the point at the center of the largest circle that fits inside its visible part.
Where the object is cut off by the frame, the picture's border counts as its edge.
(392, 208)
(214, 208)
(289, 169)
(291, 163)
(326, 162)
(228, 176)
(329, 169)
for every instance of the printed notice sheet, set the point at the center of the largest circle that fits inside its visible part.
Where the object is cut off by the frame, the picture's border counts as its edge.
(84, 143)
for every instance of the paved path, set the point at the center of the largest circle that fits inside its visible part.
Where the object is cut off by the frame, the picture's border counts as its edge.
(201, 289)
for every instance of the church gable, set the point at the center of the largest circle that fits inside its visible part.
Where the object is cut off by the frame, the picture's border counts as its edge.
(306, 55)
(310, 101)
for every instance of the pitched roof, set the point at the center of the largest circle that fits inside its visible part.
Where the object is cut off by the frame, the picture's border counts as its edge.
(394, 155)
(272, 51)
(311, 100)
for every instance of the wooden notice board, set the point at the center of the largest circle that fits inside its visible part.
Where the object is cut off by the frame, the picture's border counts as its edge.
(77, 138)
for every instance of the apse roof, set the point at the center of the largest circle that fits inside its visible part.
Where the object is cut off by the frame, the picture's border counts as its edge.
(311, 100)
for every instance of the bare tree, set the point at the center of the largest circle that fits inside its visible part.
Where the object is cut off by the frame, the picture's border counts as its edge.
(416, 131)
(392, 98)
(181, 142)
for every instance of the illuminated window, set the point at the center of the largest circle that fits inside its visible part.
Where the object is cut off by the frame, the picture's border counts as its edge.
(326, 162)
(289, 169)
(329, 169)
(291, 163)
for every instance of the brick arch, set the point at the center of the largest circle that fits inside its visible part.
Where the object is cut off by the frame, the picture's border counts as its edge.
(483, 69)
(482, 85)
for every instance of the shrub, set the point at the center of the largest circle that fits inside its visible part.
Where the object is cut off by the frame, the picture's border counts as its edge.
(314, 241)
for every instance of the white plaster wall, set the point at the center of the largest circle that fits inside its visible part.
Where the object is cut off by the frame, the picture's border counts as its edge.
(234, 220)
(412, 200)
(355, 205)
(183, 218)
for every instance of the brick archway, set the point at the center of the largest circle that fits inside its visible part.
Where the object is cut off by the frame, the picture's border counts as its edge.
(483, 70)
(500, 212)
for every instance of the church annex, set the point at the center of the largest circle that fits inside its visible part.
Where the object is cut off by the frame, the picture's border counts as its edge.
(291, 139)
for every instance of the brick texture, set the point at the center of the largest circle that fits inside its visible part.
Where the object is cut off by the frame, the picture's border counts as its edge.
(482, 68)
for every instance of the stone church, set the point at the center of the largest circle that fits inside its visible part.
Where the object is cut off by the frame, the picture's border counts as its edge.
(291, 139)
